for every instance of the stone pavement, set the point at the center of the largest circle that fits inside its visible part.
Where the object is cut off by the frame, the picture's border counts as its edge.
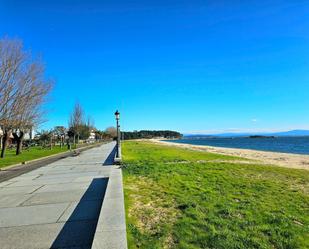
(60, 205)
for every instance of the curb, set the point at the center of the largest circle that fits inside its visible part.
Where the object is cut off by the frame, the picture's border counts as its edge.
(111, 227)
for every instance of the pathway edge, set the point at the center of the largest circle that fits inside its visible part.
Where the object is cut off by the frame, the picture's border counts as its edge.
(111, 228)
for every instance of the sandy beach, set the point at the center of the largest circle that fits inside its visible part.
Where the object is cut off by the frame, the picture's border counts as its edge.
(280, 159)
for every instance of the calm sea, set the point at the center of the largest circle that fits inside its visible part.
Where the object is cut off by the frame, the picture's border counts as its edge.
(296, 145)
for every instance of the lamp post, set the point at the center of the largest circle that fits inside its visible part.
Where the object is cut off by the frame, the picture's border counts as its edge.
(117, 115)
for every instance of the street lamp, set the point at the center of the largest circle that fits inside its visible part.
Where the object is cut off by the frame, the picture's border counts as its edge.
(117, 115)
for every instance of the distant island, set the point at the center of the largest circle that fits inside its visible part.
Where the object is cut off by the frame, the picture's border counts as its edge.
(260, 136)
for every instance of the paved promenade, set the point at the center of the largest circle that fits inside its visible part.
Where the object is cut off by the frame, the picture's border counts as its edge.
(65, 204)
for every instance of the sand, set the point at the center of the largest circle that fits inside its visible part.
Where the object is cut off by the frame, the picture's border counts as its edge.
(287, 160)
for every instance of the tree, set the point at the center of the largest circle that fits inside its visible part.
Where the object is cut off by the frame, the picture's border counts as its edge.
(11, 59)
(99, 135)
(111, 132)
(23, 89)
(76, 121)
(59, 132)
(44, 137)
(1, 137)
(84, 131)
(32, 93)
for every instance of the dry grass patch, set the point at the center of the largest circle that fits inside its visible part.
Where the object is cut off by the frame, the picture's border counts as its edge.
(150, 210)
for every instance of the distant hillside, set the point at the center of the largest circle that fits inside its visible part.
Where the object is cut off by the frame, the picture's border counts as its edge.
(292, 133)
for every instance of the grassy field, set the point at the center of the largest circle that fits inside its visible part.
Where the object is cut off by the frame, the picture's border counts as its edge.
(177, 198)
(32, 153)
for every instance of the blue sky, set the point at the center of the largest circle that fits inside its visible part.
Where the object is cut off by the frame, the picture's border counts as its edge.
(191, 66)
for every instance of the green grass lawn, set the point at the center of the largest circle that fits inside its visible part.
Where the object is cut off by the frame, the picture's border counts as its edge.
(32, 153)
(178, 198)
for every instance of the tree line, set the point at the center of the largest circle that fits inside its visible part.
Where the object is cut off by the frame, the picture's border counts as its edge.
(150, 134)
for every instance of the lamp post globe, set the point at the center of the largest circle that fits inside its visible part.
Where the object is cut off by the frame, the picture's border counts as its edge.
(117, 115)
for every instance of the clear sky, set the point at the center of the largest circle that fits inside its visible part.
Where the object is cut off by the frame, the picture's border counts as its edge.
(191, 66)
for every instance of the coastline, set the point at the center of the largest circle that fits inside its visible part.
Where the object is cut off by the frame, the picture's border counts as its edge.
(288, 160)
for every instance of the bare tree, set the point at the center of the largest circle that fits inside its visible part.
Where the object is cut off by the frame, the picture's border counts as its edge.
(23, 89)
(11, 58)
(76, 121)
(32, 92)
(111, 132)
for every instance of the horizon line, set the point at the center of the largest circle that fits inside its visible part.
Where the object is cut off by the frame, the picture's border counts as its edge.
(237, 131)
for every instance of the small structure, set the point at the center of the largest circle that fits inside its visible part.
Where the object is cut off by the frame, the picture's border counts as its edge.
(92, 136)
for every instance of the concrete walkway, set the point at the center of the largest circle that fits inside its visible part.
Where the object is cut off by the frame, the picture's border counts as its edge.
(65, 204)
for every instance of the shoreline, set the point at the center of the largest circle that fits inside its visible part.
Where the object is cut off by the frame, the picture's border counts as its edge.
(287, 160)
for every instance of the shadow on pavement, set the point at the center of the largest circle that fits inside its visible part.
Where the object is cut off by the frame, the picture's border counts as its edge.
(78, 231)
(110, 159)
